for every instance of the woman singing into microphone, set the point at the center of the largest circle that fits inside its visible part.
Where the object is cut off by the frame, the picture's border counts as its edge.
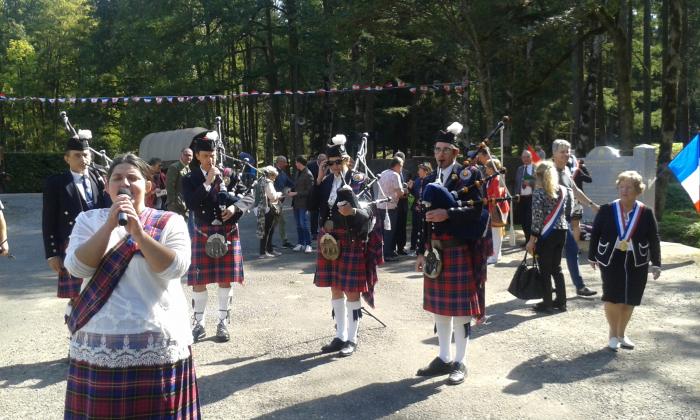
(130, 345)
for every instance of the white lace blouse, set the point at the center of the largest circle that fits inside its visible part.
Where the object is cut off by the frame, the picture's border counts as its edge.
(145, 321)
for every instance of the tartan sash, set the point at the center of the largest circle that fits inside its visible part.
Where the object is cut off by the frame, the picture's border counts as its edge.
(111, 268)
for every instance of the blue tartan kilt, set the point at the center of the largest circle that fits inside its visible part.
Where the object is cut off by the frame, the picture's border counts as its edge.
(204, 269)
(456, 291)
(155, 392)
(355, 270)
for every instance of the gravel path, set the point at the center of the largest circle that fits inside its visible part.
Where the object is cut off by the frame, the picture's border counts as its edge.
(521, 365)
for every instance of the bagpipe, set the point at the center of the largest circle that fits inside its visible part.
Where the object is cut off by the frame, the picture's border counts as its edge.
(87, 136)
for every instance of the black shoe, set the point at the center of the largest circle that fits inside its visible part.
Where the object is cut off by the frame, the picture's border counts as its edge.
(457, 374)
(542, 308)
(585, 291)
(222, 334)
(198, 332)
(391, 259)
(287, 245)
(348, 349)
(561, 307)
(336, 345)
(436, 367)
(402, 252)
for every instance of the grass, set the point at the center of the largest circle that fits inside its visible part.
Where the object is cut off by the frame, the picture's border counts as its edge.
(681, 223)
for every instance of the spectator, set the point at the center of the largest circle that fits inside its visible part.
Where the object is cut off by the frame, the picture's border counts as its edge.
(579, 175)
(316, 167)
(173, 182)
(401, 211)
(625, 240)
(524, 180)
(270, 208)
(156, 197)
(391, 186)
(551, 210)
(4, 243)
(300, 203)
(416, 189)
(560, 157)
(283, 184)
(497, 210)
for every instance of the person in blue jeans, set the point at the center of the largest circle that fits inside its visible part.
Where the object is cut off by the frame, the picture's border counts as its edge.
(561, 151)
(300, 204)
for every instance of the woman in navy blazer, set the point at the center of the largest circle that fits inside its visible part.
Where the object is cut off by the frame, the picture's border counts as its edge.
(624, 242)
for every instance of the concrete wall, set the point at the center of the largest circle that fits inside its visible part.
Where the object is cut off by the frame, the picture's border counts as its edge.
(605, 164)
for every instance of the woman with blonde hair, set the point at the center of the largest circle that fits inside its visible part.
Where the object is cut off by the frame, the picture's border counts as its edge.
(625, 240)
(268, 210)
(551, 208)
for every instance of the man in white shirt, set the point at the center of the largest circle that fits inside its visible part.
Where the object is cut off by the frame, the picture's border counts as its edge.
(390, 186)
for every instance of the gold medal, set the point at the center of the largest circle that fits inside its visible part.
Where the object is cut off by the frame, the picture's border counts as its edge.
(623, 246)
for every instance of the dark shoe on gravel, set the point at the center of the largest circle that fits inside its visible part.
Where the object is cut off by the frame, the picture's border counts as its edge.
(336, 345)
(586, 291)
(348, 349)
(435, 368)
(458, 373)
(542, 308)
(222, 334)
(198, 332)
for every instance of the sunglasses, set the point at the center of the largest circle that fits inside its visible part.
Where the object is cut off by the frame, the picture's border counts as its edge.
(334, 162)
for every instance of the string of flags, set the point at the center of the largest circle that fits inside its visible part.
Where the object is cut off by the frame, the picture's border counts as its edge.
(448, 87)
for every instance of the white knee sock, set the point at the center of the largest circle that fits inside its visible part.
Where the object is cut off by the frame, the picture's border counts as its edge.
(339, 312)
(224, 302)
(462, 328)
(199, 305)
(497, 239)
(443, 324)
(354, 315)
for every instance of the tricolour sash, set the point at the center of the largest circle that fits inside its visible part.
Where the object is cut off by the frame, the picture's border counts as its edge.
(111, 268)
(625, 231)
(554, 215)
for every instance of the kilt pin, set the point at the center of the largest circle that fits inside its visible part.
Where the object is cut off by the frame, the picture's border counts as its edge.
(204, 269)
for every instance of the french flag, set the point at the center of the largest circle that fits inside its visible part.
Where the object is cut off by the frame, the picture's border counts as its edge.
(686, 167)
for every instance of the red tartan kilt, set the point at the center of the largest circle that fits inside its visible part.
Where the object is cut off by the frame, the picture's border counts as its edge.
(68, 286)
(204, 269)
(455, 291)
(351, 272)
(161, 391)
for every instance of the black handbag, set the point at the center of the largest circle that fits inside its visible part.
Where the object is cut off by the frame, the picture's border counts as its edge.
(526, 283)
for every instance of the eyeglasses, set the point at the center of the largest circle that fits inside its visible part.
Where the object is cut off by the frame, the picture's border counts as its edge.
(443, 150)
(334, 162)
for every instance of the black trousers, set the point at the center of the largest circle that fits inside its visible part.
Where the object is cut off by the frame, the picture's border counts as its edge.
(415, 226)
(525, 215)
(313, 222)
(401, 221)
(266, 240)
(549, 252)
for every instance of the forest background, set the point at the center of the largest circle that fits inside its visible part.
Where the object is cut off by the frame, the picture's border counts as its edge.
(615, 72)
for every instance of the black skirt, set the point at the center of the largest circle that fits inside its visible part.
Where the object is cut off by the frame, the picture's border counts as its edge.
(622, 281)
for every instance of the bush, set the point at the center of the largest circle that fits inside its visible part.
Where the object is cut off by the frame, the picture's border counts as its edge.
(681, 226)
(26, 171)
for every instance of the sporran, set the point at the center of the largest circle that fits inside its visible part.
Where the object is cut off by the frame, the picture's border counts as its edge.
(432, 268)
(329, 247)
(216, 246)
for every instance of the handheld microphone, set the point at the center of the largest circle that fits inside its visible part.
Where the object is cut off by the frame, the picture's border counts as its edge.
(123, 220)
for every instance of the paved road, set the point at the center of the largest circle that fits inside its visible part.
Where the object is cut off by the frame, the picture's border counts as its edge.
(521, 365)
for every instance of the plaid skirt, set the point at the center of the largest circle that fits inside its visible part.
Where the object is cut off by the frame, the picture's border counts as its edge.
(226, 269)
(68, 286)
(355, 270)
(156, 392)
(456, 292)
